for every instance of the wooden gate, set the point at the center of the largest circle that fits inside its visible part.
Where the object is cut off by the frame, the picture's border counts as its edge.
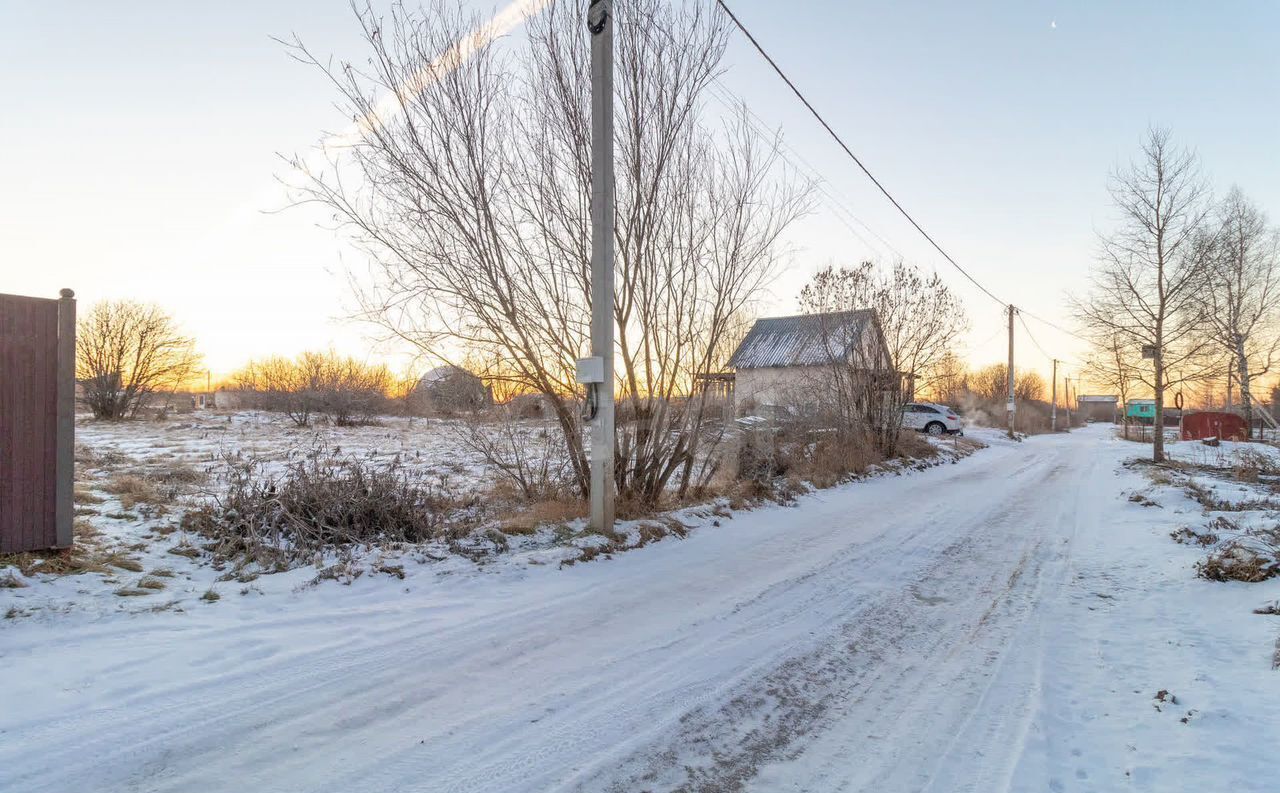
(37, 421)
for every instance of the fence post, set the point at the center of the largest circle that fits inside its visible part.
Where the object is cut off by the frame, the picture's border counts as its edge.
(64, 510)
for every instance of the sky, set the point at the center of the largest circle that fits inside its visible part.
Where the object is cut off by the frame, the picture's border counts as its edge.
(143, 143)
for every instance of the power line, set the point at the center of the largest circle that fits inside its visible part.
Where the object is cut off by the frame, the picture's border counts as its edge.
(836, 137)
(836, 200)
(853, 156)
(990, 338)
(1042, 350)
(1056, 327)
(1033, 338)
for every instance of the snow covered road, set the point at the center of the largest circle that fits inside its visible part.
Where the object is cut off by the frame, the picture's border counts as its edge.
(883, 636)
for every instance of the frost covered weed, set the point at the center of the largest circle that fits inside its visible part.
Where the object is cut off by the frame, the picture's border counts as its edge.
(1253, 466)
(1244, 559)
(1247, 554)
(1213, 503)
(1189, 536)
(320, 505)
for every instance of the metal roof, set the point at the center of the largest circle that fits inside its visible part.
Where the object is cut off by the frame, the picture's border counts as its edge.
(801, 340)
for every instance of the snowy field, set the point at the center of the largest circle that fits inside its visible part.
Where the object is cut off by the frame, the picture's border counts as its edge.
(1020, 620)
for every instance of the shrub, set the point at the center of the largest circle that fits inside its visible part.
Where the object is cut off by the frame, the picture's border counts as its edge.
(776, 466)
(530, 457)
(348, 391)
(1251, 465)
(317, 506)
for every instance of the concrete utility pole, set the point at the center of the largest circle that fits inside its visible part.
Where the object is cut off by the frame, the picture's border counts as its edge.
(1066, 384)
(600, 25)
(1011, 406)
(1053, 408)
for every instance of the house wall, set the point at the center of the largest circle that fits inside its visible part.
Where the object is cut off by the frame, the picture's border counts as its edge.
(1097, 411)
(778, 385)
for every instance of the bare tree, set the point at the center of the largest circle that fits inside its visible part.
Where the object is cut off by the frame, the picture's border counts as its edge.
(346, 390)
(125, 352)
(1242, 298)
(918, 319)
(920, 316)
(472, 199)
(1151, 267)
(949, 379)
(990, 384)
(1114, 363)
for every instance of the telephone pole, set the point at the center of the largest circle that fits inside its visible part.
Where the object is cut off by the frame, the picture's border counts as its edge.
(1066, 384)
(1011, 407)
(1053, 408)
(599, 376)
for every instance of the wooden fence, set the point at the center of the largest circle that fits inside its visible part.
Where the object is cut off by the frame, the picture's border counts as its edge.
(37, 421)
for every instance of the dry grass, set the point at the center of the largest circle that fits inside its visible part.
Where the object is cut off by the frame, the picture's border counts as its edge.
(89, 554)
(1253, 466)
(11, 581)
(1238, 560)
(133, 490)
(179, 474)
(1212, 503)
(101, 460)
(540, 513)
(86, 496)
(128, 591)
(1188, 536)
(184, 549)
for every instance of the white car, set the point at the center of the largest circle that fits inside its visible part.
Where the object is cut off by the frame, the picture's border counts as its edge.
(931, 418)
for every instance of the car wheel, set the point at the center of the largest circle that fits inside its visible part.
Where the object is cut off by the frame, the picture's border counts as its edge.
(935, 428)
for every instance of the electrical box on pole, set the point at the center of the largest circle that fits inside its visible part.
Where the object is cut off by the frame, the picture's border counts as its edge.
(597, 371)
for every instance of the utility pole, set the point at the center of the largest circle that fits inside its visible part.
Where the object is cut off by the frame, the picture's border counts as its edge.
(1053, 408)
(600, 25)
(1066, 385)
(1011, 407)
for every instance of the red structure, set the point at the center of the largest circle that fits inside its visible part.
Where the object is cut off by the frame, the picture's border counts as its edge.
(1211, 424)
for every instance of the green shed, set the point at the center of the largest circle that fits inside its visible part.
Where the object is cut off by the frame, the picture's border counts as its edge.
(1143, 410)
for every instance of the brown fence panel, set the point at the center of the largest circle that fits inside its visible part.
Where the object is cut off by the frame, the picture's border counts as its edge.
(29, 488)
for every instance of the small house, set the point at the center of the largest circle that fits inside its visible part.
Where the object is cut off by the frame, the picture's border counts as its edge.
(1097, 407)
(1142, 411)
(784, 362)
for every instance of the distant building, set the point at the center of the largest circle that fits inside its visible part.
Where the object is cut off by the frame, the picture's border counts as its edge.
(449, 389)
(232, 399)
(530, 406)
(1143, 411)
(1097, 407)
(783, 361)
